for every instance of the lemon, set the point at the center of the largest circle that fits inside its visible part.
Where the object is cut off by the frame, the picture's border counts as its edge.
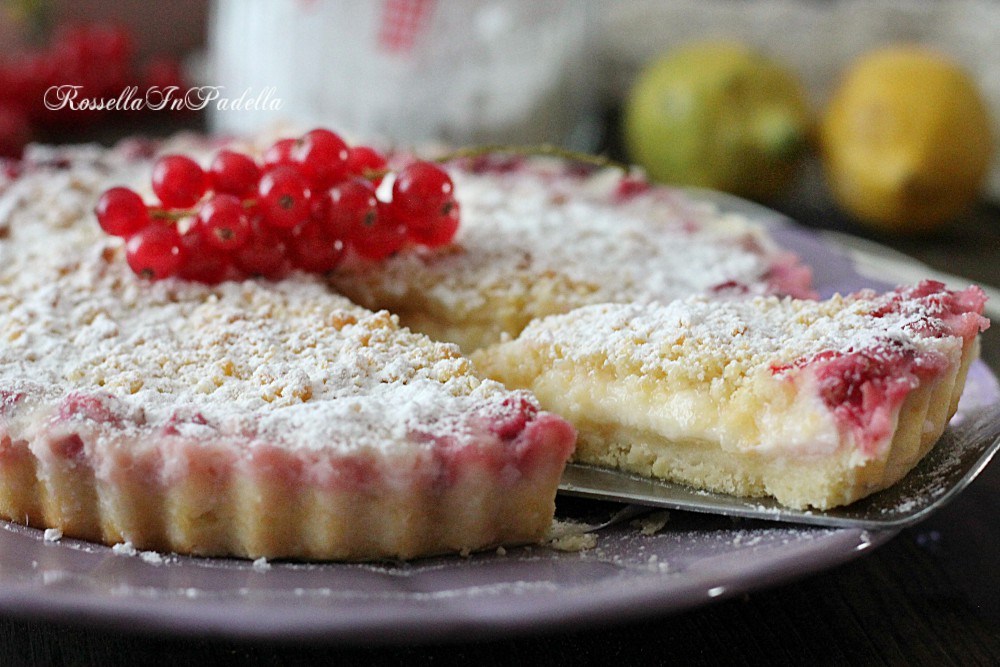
(720, 115)
(906, 140)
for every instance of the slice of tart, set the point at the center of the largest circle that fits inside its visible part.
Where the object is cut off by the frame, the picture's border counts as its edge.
(250, 418)
(540, 237)
(816, 403)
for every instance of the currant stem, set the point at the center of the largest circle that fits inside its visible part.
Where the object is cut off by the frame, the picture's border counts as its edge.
(532, 149)
(171, 214)
(179, 214)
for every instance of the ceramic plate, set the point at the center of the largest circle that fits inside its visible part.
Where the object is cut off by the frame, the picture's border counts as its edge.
(658, 562)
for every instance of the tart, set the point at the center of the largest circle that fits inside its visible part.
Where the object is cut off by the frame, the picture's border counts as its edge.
(816, 403)
(252, 418)
(540, 237)
(337, 418)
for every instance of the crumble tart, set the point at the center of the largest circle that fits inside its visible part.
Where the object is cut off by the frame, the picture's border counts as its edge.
(816, 403)
(251, 418)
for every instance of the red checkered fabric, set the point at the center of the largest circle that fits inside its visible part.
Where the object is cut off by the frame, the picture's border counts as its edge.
(402, 22)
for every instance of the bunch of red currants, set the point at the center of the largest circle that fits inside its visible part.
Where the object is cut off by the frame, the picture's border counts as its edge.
(304, 205)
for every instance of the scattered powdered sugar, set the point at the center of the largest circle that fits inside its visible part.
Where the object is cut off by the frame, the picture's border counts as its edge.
(52, 535)
(573, 542)
(261, 565)
(652, 523)
(151, 557)
(124, 549)
(571, 535)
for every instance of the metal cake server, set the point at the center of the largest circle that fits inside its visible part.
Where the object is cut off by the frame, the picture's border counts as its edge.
(962, 453)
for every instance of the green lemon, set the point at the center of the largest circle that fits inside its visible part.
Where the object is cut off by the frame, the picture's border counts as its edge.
(718, 115)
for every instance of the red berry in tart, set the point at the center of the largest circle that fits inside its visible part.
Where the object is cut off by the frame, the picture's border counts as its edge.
(422, 186)
(380, 237)
(283, 197)
(234, 173)
(202, 261)
(313, 249)
(155, 252)
(223, 221)
(423, 200)
(280, 153)
(121, 212)
(366, 162)
(438, 230)
(322, 157)
(264, 254)
(630, 186)
(352, 209)
(178, 181)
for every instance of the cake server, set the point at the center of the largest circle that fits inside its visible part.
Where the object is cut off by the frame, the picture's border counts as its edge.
(967, 446)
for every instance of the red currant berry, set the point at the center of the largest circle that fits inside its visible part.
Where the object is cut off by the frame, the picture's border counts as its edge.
(422, 189)
(203, 262)
(234, 173)
(283, 197)
(366, 162)
(352, 211)
(382, 237)
(438, 230)
(423, 200)
(178, 181)
(223, 222)
(320, 206)
(322, 157)
(155, 252)
(313, 249)
(121, 212)
(264, 254)
(280, 153)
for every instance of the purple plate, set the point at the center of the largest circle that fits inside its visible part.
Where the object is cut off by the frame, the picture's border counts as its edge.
(658, 563)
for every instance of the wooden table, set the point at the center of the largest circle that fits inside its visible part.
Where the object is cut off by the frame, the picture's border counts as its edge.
(930, 596)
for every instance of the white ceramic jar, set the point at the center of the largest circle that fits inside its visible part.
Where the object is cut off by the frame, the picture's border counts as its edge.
(458, 71)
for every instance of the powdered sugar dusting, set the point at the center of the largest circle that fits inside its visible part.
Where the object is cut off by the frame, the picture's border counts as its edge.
(700, 339)
(288, 363)
(538, 241)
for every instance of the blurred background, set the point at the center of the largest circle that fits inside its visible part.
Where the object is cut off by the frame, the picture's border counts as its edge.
(606, 76)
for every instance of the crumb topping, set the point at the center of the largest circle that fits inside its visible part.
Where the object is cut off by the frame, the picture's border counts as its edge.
(287, 362)
(533, 226)
(703, 340)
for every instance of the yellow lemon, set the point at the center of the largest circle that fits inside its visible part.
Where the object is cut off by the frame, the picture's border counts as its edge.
(719, 115)
(906, 140)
